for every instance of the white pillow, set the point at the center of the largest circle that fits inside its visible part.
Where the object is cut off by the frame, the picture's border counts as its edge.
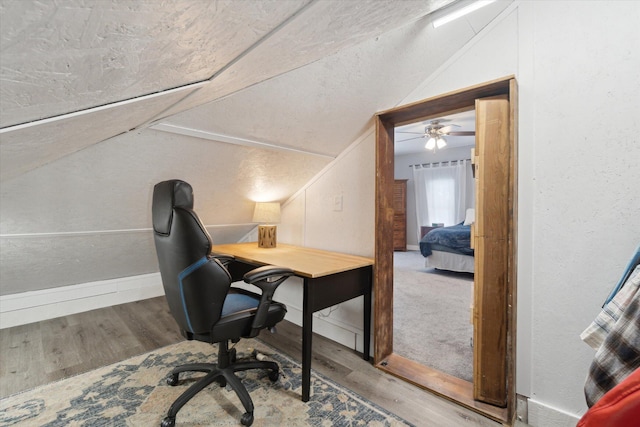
(470, 216)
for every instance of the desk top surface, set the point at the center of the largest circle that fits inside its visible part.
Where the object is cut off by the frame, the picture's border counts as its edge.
(306, 262)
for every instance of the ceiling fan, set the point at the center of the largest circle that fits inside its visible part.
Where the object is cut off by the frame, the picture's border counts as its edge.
(434, 132)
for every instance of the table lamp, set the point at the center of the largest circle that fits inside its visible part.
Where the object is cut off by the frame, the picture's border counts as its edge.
(267, 213)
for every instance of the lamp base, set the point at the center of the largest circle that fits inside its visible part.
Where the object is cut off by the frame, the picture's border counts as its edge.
(266, 236)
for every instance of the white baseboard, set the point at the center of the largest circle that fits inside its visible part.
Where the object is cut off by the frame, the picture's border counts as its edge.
(543, 415)
(34, 306)
(329, 328)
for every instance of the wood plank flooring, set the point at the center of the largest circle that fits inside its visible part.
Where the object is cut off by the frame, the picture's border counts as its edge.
(42, 352)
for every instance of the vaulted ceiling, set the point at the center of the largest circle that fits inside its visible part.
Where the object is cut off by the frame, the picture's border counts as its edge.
(75, 73)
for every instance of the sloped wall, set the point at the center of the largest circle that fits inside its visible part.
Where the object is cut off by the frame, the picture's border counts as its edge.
(87, 216)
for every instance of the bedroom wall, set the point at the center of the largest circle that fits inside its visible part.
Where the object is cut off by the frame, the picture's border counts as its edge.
(575, 195)
(403, 171)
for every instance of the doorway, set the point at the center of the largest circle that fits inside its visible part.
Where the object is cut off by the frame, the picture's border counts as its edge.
(432, 284)
(501, 344)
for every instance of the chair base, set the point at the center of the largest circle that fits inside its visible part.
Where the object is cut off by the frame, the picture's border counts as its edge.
(223, 373)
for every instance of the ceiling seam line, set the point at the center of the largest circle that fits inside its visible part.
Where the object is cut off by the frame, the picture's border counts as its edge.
(228, 139)
(72, 114)
(263, 39)
(235, 60)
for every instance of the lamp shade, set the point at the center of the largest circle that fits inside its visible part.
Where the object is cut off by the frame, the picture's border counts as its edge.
(267, 212)
(431, 144)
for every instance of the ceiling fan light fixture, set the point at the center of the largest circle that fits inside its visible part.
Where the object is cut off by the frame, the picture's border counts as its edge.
(441, 142)
(431, 144)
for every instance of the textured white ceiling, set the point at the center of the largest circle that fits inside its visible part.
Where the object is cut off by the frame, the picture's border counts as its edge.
(302, 74)
(68, 55)
(80, 61)
(321, 29)
(324, 106)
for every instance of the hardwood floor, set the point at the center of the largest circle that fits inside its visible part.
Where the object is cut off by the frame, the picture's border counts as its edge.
(42, 352)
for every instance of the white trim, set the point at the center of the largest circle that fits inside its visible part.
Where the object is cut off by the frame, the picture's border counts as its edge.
(34, 306)
(329, 328)
(543, 415)
(94, 232)
(188, 87)
(212, 136)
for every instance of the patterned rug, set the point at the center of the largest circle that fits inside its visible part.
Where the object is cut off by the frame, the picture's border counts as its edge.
(134, 393)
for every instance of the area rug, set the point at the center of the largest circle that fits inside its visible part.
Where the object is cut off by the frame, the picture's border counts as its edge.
(134, 393)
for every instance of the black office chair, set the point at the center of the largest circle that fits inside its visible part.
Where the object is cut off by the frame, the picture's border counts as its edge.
(205, 306)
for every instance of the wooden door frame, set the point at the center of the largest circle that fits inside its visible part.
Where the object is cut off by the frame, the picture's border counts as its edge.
(384, 358)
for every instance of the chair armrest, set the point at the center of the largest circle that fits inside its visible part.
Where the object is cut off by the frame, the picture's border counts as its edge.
(267, 278)
(223, 258)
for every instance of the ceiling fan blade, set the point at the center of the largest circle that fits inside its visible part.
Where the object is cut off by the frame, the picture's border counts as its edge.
(417, 133)
(409, 139)
(447, 129)
(462, 133)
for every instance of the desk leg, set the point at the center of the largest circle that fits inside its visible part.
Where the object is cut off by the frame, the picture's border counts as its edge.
(307, 333)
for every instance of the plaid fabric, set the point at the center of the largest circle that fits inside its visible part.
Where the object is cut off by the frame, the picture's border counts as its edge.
(597, 331)
(619, 354)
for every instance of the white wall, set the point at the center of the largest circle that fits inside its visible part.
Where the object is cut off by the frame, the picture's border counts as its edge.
(578, 73)
(310, 218)
(576, 65)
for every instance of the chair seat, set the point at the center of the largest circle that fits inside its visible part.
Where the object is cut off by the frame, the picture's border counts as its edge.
(239, 301)
(237, 317)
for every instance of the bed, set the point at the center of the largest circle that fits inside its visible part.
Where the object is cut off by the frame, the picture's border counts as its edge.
(448, 248)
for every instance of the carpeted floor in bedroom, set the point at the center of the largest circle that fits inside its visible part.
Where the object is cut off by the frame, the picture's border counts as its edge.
(431, 321)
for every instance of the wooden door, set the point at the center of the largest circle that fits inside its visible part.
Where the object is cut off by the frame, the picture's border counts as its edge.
(400, 215)
(490, 240)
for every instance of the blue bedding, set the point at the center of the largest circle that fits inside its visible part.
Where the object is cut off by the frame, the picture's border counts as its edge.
(455, 239)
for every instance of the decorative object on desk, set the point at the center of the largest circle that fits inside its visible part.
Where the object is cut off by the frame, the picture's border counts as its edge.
(134, 392)
(267, 213)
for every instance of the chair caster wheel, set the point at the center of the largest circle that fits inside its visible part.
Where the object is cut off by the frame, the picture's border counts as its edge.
(222, 382)
(274, 375)
(168, 422)
(172, 380)
(247, 419)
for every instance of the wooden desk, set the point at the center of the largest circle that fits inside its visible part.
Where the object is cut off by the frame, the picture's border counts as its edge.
(329, 279)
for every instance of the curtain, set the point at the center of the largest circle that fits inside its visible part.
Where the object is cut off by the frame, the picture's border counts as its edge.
(443, 192)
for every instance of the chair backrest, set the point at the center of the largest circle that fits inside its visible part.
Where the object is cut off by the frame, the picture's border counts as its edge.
(195, 285)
